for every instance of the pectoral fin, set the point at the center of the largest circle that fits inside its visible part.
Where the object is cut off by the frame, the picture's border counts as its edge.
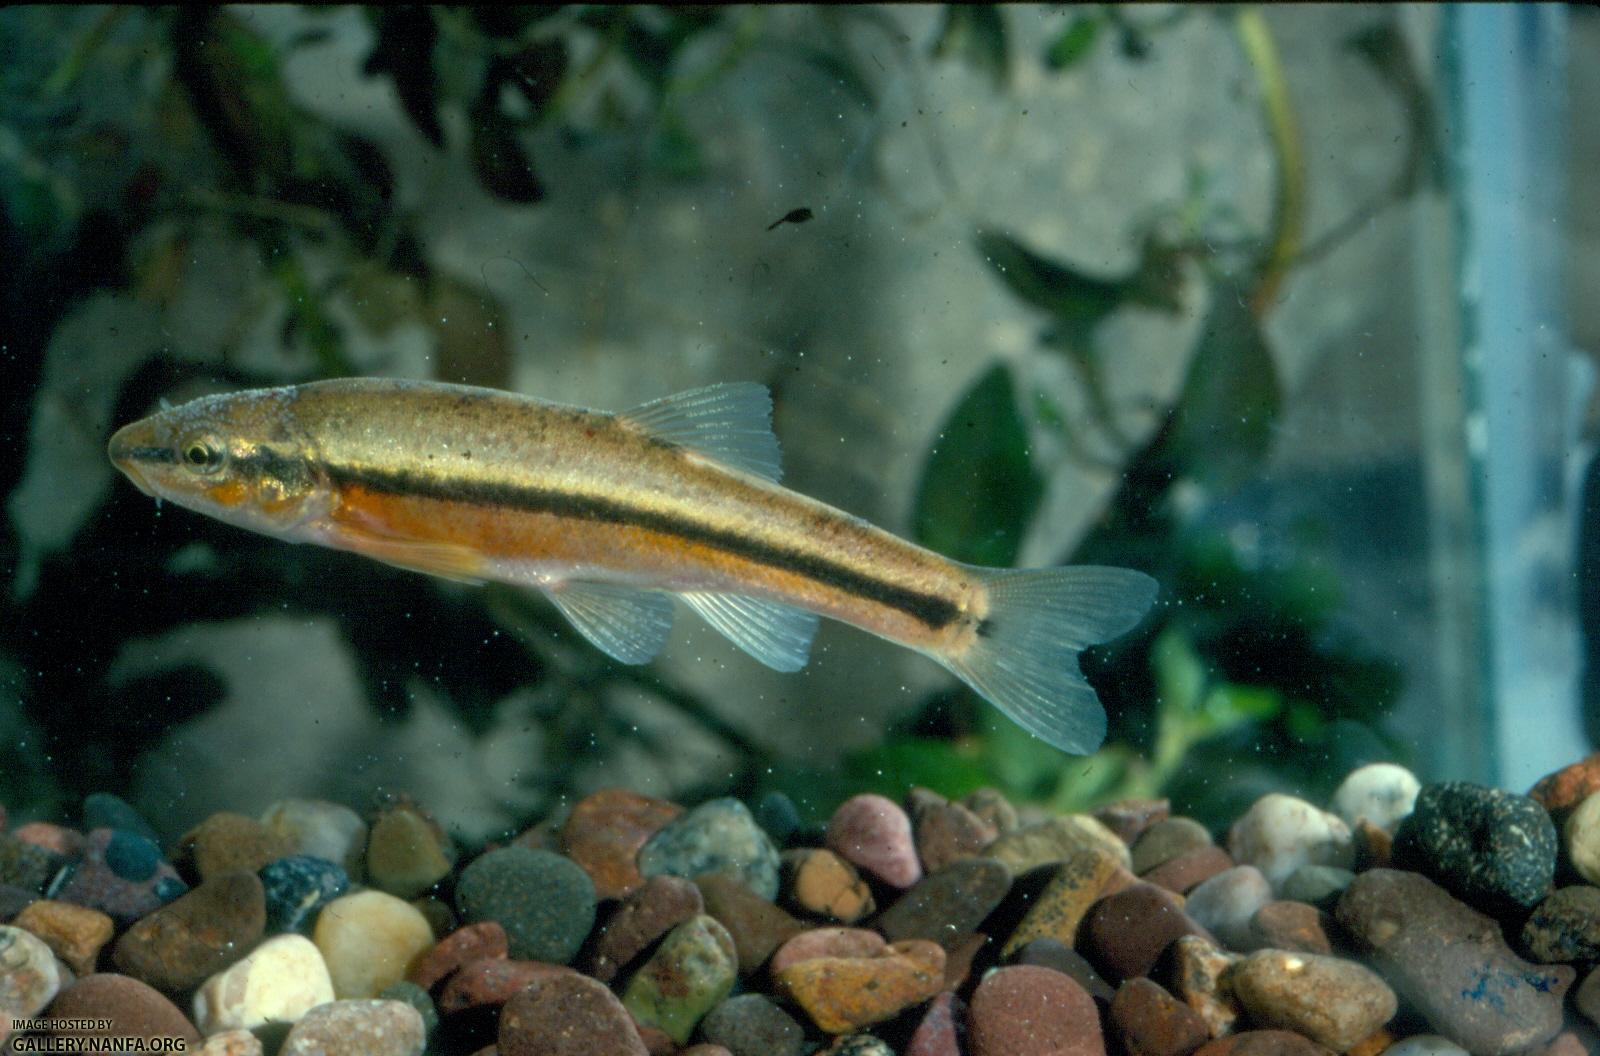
(450, 561)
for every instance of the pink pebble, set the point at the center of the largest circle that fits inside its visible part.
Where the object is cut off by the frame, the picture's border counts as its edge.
(55, 838)
(874, 834)
(827, 942)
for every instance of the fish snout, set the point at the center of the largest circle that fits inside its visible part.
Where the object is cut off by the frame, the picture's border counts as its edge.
(132, 448)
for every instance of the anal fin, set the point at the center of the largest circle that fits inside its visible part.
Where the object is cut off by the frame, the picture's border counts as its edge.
(776, 634)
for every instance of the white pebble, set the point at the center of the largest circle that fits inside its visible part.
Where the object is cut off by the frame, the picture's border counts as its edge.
(1225, 903)
(1582, 833)
(278, 982)
(29, 973)
(1280, 833)
(369, 939)
(321, 829)
(1383, 793)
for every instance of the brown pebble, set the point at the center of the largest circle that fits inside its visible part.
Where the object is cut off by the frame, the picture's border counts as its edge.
(605, 831)
(845, 993)
(827, 942)
(1151, 1022)
(646, 914)
(1263, 1043)
(184, 943)
(758, 927)
(1372, 1044)
(823, 884)
(227, 842)
(1125, 933)
(135, 1010)
(491, 981)
(56, 838)
(1198, 969)
(1562, 791)
(1027, 1011)
(567, 1015)
(959, 955)
(1286, 925)
(945, 832)
(75, 933)
(1130, 817)
(704, 1050)
(1190, 869)
(486, 939)
(1049, 953)
(657, 1042)
(994, 808)
(1374, 845)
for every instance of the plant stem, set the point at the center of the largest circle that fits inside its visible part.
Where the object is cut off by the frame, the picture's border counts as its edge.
(1289, 196)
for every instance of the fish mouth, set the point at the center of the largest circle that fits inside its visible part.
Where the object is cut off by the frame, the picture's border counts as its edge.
(129, 447)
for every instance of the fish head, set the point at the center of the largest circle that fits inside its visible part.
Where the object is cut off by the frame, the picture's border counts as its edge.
(235, 456)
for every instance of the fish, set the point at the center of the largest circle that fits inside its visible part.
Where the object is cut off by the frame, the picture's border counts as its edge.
(616, 517)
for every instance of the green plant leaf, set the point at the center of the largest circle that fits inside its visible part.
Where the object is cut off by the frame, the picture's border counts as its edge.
(1076, 301)
(976, 34)
(1074, 44)
(404, 50)
(979, 490)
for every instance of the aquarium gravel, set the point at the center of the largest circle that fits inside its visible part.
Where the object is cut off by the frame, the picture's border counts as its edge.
(1408, 919)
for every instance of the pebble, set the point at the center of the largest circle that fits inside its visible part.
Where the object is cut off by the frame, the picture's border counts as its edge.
(1130, 817)
(1565, 927)
(1026, 1011)
(1333, 1002)
(1055, 840)
(1263, 1043)
(470, 942)
(27, 865)
(858, 1045)
(1582, 836)
(278, 981)
(777, 814)
(949, 903)
(232, 1043)
(227, 843)
(646, 914)
(705, 1049)
(605, 831)
(134, 1009)
(1560, 792)
(76, 934)
(758, 927)
(1425, 1045)
(1382, 793)
(567, 1015)
(296, 887)
(695, 967)
(58, 839)
(1189, 869)
(368, 940)
(827, 942)
(846, 993)
(370, 1027)
(1226, 903)
(992, 806)
(1166, 840)
(415, 996)
(1451, 963)
(1125, 933)
(29, 977)
(105, 810)
(179, 945)
(407, 851)
(1586, 998)
(1058, 910)
(945, 832)
(1280, 833)
(718, 836)
(330, 831)
(491, 982)
(753, 1025)
(1049, 953)
(1198, 971)
(120, 874)
(822, 884)
(545, 902)
(1294, 926)
(1151, 1022)
(874, 834)
(1317, 884)
(14, 900)
(1492, 849)
(941, 1029)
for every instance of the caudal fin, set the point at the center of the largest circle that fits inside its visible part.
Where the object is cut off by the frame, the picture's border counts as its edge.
(1024, 655)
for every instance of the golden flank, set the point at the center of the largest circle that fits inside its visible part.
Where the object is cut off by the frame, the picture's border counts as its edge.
(613, 516)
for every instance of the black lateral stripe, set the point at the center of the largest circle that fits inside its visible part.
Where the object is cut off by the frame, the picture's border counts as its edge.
(929, 609)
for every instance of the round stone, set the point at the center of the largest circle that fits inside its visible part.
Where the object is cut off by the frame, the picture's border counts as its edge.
(842, 994)
(567, 1015)
(715, 837)
(1026, 1011)
(297, 886)
(1166, 840)
(545, 902)
(371, 1028)
(954, 900)
(133, 1009)
(29, 977)
(103, 810)
(227, 842)
(407, 851)
(130, 856)
(694, 968)
(1333, 1002)
(321, 829)
(277, 982)
(368, 940)
(1582, 836)
(411, 994)
(1565, 927)
(1280, 833)
(179, 945)
(1382, 793)
(644, 916)
(752, 1025)
(1492, 849)
(469, 943)
(75, 933)
(1226, 903)
(819, 882)
(604, 832)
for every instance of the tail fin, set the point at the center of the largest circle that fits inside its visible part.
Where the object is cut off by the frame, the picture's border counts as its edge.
(1024, 655)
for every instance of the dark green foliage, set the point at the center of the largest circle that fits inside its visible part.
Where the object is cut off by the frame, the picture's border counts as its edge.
(1075, 43)
(976, 34)
(979, 489)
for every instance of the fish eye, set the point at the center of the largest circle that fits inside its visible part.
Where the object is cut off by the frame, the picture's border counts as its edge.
(200, 454)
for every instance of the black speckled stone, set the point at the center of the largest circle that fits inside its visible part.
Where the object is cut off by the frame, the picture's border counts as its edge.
(1565, 927)
(1492, 849)
(545, 903)
(297, 886)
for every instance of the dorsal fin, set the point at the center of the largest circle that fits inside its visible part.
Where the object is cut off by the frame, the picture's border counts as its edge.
(729, 423)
